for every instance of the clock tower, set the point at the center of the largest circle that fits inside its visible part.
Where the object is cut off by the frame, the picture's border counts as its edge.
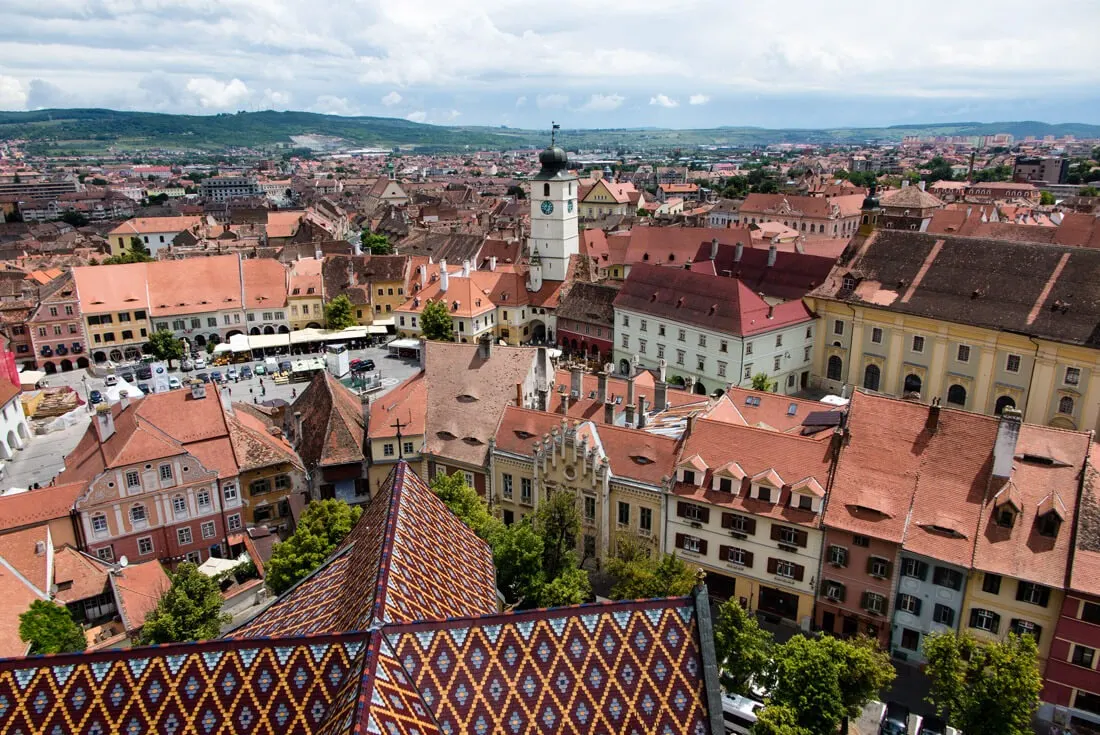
(553, 218)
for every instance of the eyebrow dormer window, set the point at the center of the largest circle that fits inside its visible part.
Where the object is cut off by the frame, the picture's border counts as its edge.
(1006, 516)
(1048, 524)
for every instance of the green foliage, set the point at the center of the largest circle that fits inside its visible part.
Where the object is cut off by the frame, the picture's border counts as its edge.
(164, 345)
(339, 313)
(465, 503)
(1046, 199)
(984, 688)
(742, 647)
(558, 522)
(570, 587)
(642, 212)
(127, 257)
(191, 609)
(322, 527)
(939, 169)
(778, 719)
(994, 173)
(517, 554)
(76, 219)
(638, 577)
(99, 182)
(1088, 191)
(49, 628)
(515, 190)
(761, 381)
(825, 680)
(435, 321)
(376, 244)
(677, 380)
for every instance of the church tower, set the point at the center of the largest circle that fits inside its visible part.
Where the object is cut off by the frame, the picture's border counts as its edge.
(554, 234)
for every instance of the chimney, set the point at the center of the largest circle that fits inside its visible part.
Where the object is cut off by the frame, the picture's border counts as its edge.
(443, 277)
(922, 185)
(565, 403)
(519, 394)
(575, 383)
(905, 183)
(771, 310)
(318, 254)
(630, 389)
(690, 424)
(198, 390)
(932, 423)
(738, 252)
(423, 276)
(104, 422)
(485, 346)
(609, 413)
(641, 412)
(630, 415)
(123, 400)
(1004, 450)
(544, 399)
(772, 250)
(492, 262)
(661, 366)
(713, 248)
(601, 389)
(297, 426)
(466, 268)
(660, 395)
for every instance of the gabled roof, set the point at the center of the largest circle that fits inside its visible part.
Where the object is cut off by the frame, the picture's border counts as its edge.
(138, 588)
(38, 506)
(333, 427)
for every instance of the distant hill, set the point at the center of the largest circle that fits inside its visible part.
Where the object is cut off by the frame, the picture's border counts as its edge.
(93, 131)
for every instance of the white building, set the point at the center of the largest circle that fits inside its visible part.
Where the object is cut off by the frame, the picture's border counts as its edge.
(14, 433)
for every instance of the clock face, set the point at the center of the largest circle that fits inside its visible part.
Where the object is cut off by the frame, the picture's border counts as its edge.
(569, 206)
(547, 207)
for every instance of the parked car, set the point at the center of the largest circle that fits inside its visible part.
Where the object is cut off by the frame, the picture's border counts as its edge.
(200, 363)
(368, 365)
(204, 377)
(126, 375)
(285, 366)
(246, 372)
(896, 721)
(95, 397)
(933, 726)
(231, 373)
(145, 373)
(216, 376)
(144, 388)
(260, 369)
(355, 364)
(187, 366)
(110, 380)
(174, 382)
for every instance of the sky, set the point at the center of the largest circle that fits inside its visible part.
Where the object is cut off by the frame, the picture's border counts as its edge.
(686, 64)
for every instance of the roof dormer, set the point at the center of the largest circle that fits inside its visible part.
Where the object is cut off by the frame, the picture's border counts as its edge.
(766, 486)
(1049, 515)
(728, 477)
(691, 470)
(807, 494)
(1007, 506)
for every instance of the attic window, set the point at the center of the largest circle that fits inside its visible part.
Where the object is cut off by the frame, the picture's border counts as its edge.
(472, 441)
(1038, 459)
(1005, 516)
(466, 398)
(645, 256)
(943, 530)
(671, 257)
(1048, 524)
(792, 409)
(641, 459)
(523, 434)
(445, 435)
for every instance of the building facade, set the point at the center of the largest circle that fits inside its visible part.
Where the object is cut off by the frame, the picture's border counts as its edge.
(57, 328)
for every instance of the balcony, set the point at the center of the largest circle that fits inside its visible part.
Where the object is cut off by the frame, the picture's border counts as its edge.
(47, 351)
(77, 348)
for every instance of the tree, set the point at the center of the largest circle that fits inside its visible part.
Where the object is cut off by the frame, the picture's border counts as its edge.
(338, 313)
(137, 246)
(558, 522)
(638, 577)
(1046, 199)
(435, 321)
(323, 525)
(76, 219)
(1088, 191)
(515, 190)
(778, 719)
(376, 244)
(49, 628)
(642, 212)
(984, 688)
(465, 503)
(761, 381)
(191, 609)
(571, 587)
(517, 555)
(743, 648)
(164, 345)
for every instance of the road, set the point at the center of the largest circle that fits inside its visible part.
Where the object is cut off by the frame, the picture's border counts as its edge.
(43, 457)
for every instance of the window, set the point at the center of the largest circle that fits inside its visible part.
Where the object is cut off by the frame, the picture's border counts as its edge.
(950, 578)
(838, 327)
(641, 346)
(183, 535)
(387, 449)
(786, 535)
(878, 567)
(507, 486)
(643, 325)
(784, 569)
(107, 553)
(282, 482)
(1065, 405)
(234, 522)
(1073, 376)
(723, 346)
(738, 556)
(918, 343)
(1012, 364)
(806, 353)
(986, 620)
(259, 486)
(589, 508)
(838, 556)
(626, 320)
(748, 371)
(910, 639)
(195, 557)
(834, 368)
(137, 515)
(748, 348)
(914, 568)
(179, 506)
(721, 369)
(468, 478)
(625, 341)
(1025, 627)
(943, 615)
(876, 335)
(1035, 594)
(165, 472)
(145, 545)
(229, 492)
(660, 330)
(858, 540)
(1083, 656)
(208, 529)
(645, 519)
(211, 321)
(909, 604)
(624, 513)
(778, 364)
(660, 351)
(682, 336)
(202, 497)
(692, 544)
(525, 490)
(834, 591)
(874, 603)
(702, 340)
(133, 479)
(1085, 701)
(700, 362)
(963, 353)
(679, 357)
(764, 493)
(991, 583)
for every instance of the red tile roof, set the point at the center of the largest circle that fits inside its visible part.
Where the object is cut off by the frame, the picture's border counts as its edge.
(138, 588)
(38, 506)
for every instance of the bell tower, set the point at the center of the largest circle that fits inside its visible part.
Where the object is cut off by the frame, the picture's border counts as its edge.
(554, 235)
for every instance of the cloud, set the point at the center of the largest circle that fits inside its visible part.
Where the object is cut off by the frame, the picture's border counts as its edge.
(391, 99)
(212, 94)
(521, 101)
(274, 99)
(551, 101)
(419, 116)
(698, 99)
(603, 102)
(328, 104)
(663, 100)
(451, 115)
(12, 94)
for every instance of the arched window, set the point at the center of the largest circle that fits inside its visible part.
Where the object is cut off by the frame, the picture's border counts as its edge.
(546, 190)
(835, 368)
(871, 377)
(137, 514)
(1002, 403)
(956, 395)
(1065, 405)
(912, 384)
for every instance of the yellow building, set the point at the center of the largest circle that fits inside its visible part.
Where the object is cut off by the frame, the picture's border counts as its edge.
(407, 405)
(306, 299)
(615, 474)
(114, 303)
(270, 470)
(153, 232)
(979, 324)
(992, 609)
(607, 198)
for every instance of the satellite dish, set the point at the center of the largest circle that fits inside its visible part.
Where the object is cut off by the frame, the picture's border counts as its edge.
(123, 561)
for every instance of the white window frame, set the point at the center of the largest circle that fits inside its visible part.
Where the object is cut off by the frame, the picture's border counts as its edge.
(208, 530)
(736, 555)
(233, 522)
(100, 519)
(107, 553)
(139, 522)
(506, 485)
(178, 510)
(784, 569)
(959, 351)
(184, 532)
(207, 505)
(984, 620)
(908, 603)
(145, 541)
(1075, 372)
(691, 543)
(1008, 363)
(133, 479)
(229, 492)
(164, 472)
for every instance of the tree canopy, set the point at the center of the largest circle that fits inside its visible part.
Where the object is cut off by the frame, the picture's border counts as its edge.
(465, 503)
(191, 609)
(376, 244)
(637, 576)
(435, 321)
(761, 381)
(49, 628)
(339, 313)
(742, 647)
(164, 345)
(984, 688)
(323, 525)
(515, 190)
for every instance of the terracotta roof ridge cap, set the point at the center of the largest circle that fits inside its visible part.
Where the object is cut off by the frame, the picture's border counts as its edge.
(385, 548)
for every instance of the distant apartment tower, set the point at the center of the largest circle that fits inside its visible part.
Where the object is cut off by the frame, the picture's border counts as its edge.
(1051, 170)
(225, 188)
(28, 190)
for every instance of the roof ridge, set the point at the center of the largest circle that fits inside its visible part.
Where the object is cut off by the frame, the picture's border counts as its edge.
(396, 482)
(752, 427)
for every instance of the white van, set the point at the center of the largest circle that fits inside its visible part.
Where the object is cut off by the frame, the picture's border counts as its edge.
(739, 713)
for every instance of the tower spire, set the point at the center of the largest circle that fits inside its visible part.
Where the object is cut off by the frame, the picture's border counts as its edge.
(554, 128)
